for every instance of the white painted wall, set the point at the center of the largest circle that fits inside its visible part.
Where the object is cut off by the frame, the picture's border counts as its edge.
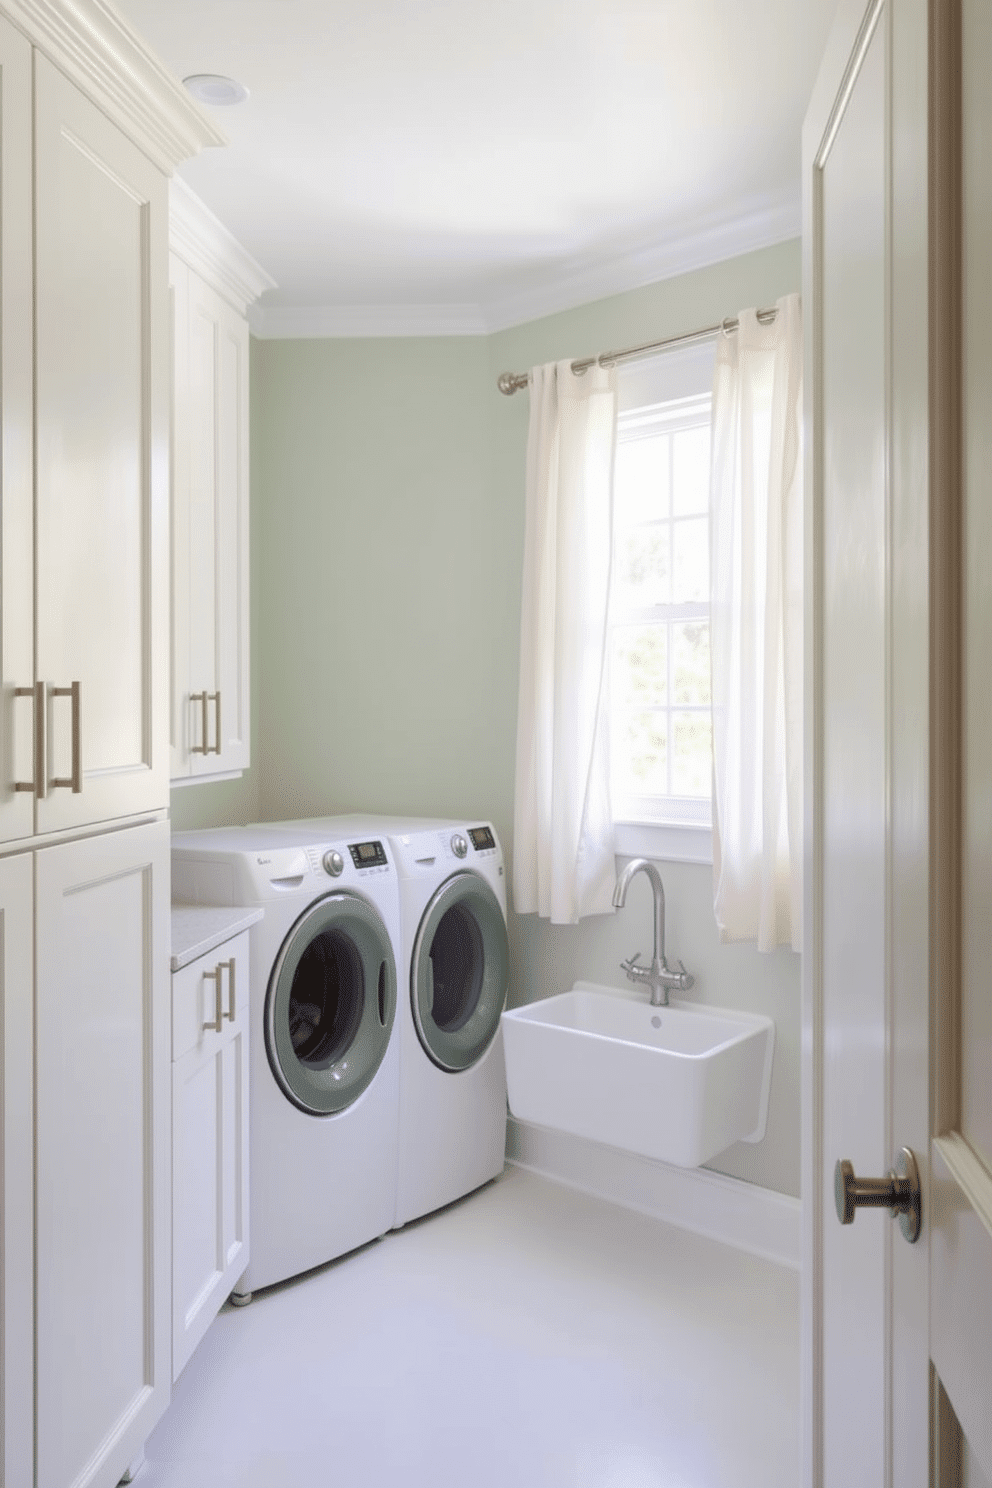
(387, 541)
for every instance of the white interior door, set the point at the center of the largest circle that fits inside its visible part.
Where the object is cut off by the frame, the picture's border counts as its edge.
(961, 1199)
(897, 1334)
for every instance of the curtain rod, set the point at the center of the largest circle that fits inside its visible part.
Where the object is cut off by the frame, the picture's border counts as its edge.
(511, 382)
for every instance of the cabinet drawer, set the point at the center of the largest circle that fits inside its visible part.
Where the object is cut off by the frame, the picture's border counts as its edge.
(210, 996)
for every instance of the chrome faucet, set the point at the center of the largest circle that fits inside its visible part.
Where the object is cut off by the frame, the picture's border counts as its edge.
(657, 976)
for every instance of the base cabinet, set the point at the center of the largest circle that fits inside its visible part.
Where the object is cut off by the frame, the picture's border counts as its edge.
(87, 1151)
(210, 1139)
(17, 1167)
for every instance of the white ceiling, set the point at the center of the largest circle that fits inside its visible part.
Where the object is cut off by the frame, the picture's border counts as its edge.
(437, 165)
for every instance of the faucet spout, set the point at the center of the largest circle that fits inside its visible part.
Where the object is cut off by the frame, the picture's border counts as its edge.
(642, 865)
(657, 976)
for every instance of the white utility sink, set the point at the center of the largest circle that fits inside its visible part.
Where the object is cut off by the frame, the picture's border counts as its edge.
(677, 1083)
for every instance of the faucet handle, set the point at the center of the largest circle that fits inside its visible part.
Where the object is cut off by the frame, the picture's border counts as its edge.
(634, 972)
(686, 979)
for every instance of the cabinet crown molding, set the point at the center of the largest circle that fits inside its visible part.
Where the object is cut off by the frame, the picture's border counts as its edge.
(203, 242)
(107, 59)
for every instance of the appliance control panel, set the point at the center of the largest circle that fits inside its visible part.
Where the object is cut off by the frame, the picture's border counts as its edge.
(368, 854)
(482, 839)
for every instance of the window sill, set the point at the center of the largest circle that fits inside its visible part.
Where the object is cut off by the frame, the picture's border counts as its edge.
(668, 842)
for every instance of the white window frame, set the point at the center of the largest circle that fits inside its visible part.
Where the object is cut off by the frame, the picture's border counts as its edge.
(650, 393)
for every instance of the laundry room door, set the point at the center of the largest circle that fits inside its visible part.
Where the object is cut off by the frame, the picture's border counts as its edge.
(961, 1161)
(897, 1014)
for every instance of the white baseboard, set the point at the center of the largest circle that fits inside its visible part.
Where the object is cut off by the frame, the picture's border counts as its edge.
(755, 1219)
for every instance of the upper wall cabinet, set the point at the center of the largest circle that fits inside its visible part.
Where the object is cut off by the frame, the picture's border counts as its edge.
(213, 282)
(85, 424)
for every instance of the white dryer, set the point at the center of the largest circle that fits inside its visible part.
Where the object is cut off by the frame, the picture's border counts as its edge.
(455, 971)
(324, 1058)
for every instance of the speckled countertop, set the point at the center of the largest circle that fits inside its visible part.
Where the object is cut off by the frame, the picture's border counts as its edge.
(197, 929)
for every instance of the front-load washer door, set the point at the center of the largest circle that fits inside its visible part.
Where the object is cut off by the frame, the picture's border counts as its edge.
(331, 1004)
(459, 972)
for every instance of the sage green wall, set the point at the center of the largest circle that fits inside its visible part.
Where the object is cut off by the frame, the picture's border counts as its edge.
(387, 541)
(549, 958)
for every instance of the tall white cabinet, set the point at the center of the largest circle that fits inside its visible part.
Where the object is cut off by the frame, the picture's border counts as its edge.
(213, 282)
(91, 128)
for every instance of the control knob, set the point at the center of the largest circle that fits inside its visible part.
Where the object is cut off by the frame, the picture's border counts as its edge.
(458, 845)
(333, 863)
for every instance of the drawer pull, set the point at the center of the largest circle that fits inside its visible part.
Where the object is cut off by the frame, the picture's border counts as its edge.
(217, 1026)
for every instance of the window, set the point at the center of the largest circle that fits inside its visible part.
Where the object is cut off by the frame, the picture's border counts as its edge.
(660, 715)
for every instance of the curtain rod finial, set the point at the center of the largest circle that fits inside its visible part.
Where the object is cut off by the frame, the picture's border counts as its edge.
(509, 382)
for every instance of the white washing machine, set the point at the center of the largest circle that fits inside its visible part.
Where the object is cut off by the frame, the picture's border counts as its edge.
(453, 983)
(324, 1051)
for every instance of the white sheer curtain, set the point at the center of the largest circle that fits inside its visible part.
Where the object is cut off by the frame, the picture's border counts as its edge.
(563, 866)
(757, 629)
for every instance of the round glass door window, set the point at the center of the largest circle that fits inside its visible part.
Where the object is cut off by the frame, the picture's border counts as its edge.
(331, 1004)
(459, 972)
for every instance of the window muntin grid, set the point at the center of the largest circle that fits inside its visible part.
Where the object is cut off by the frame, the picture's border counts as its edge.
(661, 745)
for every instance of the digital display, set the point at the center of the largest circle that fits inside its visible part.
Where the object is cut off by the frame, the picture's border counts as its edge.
(367, 854)
(481, 837)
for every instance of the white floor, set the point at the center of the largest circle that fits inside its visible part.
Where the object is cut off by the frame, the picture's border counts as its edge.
(527, 1337)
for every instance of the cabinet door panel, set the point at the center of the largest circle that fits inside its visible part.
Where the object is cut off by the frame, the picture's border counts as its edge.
(209, 1177)
(232, 554)
(179, 685)
(198, 1154)
(16, 435)
(17, 1170)
(103, 1211)
(220, 974)
(102, 456)
(217, 412)
(235, 1178)
(210, 1142)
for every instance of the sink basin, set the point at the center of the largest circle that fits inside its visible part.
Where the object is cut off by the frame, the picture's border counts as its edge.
(677, 1083)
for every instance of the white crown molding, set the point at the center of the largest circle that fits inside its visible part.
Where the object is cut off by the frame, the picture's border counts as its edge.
(773, 223)
(99, 51)
(745, 1215)
(291, 322)
(649, 264)
(201, 240)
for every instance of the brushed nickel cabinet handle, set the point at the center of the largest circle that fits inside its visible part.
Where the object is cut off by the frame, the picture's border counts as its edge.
(73, 782)
(217, 1026)
(205, 699)
(231, 1009)
(39, 785)
(201, 698)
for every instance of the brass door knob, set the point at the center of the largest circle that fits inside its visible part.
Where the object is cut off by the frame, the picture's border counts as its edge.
(899, 1191)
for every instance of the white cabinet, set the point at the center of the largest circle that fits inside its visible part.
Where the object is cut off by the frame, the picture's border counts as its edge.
(17, 1167)
(213, 281)
(210, 1139)
(88, 742)
(16, 439)
(102, 1152)
(90, 128)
